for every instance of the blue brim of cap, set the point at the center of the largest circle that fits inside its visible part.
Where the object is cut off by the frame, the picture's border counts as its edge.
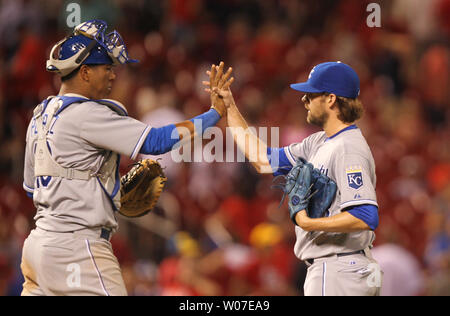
(305, 87)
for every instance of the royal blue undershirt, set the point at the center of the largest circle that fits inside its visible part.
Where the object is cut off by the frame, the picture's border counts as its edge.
(368, 213)
(162, 139)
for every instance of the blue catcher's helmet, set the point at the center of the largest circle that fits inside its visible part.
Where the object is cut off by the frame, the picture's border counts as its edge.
(88, 45)
(97, 55)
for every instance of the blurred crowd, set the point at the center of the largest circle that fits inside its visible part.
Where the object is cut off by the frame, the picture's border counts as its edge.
(218, 229)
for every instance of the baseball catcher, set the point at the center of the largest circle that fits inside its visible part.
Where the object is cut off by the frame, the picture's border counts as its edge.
(74, 144)
(141, 188)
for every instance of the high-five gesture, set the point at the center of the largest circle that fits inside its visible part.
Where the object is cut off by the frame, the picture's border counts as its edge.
(219, 87)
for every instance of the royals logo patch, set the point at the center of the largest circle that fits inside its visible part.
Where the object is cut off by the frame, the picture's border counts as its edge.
(354, 177)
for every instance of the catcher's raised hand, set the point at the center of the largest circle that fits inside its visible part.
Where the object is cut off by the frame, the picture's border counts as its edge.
(218, 82)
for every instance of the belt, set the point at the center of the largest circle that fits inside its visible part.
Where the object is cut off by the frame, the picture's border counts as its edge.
(358, 252)
(105, 234)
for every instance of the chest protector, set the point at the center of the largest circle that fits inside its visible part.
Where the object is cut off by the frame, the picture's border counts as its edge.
(45, 165)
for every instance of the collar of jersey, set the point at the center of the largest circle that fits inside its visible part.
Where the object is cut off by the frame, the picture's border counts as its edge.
(353, 126)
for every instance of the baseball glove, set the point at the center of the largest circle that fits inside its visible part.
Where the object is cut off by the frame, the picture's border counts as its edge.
(308, 189)
(141, 188)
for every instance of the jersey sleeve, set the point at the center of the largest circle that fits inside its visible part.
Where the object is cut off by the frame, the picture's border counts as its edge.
(105, 128)
(304, 148)
(356, 180)
(283, 159)
(368, 213)
(279, 161)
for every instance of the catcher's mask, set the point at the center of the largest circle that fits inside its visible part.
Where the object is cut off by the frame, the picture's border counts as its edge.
(88, 45)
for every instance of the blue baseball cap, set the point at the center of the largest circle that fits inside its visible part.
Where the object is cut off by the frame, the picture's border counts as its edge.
(332, 77)
(97, 56)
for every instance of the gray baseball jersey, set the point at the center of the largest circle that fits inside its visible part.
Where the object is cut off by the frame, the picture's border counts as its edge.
(346, 158)
(83, 137)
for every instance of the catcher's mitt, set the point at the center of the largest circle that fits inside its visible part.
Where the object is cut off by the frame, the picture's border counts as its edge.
(141, 188)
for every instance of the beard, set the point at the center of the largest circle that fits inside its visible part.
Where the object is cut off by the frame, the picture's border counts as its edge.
(318, 119)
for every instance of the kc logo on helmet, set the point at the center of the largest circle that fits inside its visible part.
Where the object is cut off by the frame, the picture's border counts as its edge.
(354, 177)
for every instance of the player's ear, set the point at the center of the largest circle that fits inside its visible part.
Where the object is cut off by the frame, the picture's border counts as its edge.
(330, 100)
(85, 73)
